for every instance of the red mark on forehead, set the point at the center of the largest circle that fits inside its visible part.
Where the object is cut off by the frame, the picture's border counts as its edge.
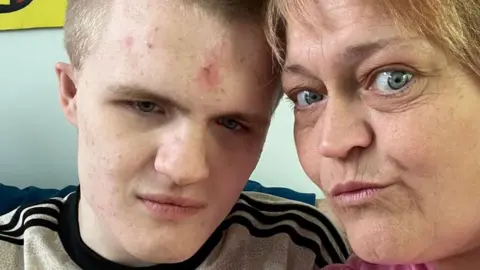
(128, 42)
(208, 77)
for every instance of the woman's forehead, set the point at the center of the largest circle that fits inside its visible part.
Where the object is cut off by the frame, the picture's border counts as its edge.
(342, 39)
(321, 17)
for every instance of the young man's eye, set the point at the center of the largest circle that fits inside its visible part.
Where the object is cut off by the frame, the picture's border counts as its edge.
(229, 123)
(146, 107)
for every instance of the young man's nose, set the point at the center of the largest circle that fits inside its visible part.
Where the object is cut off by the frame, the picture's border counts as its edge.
(183, 157)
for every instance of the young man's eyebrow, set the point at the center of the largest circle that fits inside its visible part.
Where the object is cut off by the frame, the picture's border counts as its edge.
(140, 92)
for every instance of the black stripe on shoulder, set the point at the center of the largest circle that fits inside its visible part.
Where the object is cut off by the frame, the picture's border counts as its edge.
(31, 223)
(303, 223)
(16, 216)
(18, 242)
(264, 233)
(32, 211)
(283, 207)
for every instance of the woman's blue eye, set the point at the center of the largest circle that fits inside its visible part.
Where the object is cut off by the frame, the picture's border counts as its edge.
(229, 123)
(306, 98)
(390, 82)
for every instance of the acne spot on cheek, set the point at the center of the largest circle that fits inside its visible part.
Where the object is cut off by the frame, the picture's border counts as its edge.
(150, 43)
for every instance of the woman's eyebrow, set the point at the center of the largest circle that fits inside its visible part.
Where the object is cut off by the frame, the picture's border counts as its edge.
(298, 69)
(359, 52)
(352, 55)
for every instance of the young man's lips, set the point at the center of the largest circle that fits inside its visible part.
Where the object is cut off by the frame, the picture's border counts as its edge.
(172, 200)
(171, 208)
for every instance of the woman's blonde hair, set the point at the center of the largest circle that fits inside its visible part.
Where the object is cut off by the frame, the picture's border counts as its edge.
(453, 25)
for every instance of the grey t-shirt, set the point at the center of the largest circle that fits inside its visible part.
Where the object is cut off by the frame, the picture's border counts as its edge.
(261, 232)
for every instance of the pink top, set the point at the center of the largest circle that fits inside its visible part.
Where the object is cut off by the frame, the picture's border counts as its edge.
(355, 263)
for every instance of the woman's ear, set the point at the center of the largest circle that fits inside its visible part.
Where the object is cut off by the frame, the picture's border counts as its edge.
(67, 91)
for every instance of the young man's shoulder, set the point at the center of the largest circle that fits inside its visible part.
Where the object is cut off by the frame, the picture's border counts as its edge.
(261, 232)
(265, 231)
(29, 235)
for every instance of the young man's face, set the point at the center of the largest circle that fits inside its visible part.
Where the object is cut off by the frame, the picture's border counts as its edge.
(172, 109)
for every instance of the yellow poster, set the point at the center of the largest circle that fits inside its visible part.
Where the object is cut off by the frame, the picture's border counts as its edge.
(27, 14)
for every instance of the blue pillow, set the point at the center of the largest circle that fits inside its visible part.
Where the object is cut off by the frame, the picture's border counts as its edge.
(308, 198)
(12, 197)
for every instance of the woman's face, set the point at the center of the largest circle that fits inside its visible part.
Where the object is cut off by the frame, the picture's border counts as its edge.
(388, 126)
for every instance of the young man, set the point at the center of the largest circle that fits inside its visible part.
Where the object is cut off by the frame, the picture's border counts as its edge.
(172, 101)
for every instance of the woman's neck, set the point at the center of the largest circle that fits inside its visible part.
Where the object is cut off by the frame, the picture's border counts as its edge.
(465, 261)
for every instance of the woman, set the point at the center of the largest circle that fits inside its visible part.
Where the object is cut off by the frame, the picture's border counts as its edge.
(387, 105)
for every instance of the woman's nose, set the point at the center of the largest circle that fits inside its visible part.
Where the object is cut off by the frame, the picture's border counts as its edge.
(341, 128)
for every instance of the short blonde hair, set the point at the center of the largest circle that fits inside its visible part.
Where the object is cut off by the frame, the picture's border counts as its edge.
(453, 25)
(86, 20)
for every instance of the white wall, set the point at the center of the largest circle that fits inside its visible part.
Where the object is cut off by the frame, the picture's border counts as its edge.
(37, 146)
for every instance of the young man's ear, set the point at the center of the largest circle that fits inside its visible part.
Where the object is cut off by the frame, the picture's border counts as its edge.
(67, 91)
